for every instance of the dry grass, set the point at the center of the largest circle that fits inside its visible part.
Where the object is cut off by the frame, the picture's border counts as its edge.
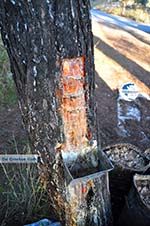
(22, 197)
(137, 14)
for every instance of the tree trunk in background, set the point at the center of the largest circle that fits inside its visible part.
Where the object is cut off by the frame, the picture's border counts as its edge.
(39, 35)
(123, 5)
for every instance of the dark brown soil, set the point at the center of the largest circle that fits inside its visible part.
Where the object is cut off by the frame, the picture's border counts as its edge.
(12, 134)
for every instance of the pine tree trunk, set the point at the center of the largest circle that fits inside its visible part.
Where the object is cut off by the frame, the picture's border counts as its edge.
(39, 35)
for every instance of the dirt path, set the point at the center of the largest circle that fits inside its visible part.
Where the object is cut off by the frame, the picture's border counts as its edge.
(121, 57)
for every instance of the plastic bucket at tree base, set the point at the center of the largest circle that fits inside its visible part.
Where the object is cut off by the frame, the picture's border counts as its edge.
(137, 209)
(127, 160)
(88, 196)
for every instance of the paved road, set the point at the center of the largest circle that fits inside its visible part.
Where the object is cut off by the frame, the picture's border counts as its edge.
(122, 22)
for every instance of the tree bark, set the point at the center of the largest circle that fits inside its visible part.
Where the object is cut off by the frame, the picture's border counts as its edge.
(39, 35)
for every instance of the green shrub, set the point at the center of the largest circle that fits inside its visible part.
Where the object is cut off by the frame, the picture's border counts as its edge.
(7, 88)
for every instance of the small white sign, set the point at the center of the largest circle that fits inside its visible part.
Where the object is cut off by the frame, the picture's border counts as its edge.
(19, 158)
(129, 91)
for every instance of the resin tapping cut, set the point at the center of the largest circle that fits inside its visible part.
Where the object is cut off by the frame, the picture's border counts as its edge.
(73, 104)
